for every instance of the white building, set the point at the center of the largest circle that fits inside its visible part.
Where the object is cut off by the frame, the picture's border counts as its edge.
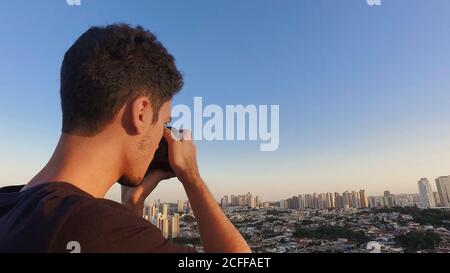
(164, 210)
(443, 187)
(426, 194)
(164, 226)
(180, 206)
(174, 226)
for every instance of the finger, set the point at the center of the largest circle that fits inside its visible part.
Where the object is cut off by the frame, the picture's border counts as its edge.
(169, 136)
(186, 134)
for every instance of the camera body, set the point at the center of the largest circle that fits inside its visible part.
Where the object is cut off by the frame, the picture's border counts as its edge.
(161, 158)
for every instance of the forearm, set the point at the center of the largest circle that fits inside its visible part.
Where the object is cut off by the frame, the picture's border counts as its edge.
(218, 234)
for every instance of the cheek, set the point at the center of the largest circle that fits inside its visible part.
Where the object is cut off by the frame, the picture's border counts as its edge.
(154, 136)
(157, 130)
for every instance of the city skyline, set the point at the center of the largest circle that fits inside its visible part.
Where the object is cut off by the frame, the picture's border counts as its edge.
(439, 197)
(351, 221)
(444, 193)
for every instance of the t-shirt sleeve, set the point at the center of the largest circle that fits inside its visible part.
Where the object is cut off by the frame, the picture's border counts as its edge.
(106, 226)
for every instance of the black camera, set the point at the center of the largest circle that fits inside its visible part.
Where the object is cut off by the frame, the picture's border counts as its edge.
(161, 158)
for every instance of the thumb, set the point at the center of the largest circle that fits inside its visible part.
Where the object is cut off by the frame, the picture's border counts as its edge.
(172, 135)
(168, 136)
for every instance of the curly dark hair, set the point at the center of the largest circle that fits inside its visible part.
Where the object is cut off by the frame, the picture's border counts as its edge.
(109, 66)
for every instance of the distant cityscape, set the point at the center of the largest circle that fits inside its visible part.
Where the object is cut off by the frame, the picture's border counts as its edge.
(166, 216)
(350, 221)
(426, 198)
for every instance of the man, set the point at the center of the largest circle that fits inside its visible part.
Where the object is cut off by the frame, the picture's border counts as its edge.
(117, 83)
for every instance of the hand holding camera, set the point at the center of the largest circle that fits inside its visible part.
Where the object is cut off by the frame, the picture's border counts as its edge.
(182, 155)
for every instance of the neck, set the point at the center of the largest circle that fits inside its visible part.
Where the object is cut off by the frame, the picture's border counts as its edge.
(90, 163)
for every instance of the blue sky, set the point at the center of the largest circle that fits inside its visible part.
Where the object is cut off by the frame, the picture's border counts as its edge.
(363, 91)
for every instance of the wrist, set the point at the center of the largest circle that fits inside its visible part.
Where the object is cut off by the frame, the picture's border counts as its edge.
(190, 178)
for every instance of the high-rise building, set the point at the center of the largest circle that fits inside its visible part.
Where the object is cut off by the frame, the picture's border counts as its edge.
(301, 201)
(416, 198)
(443, 187)
(315, 204)
(180, 206)
(247, 199)
(338, 200)
(329, 200)
(437, 199)
(376, 201)
(164, 226)
(174, 225)
(293, 203)
(233, 200)
(250, 200)
(363, 198)
(426, 193)
(224, 201)
(403, 200)
(320, 201)
(152, 210)
(169, 225)
(346, 196)
(164, 210)
(149, 211)
(355, 200)
(156, 219)
(187, 208)
(240, 200)
(388, 199)
(309, 201)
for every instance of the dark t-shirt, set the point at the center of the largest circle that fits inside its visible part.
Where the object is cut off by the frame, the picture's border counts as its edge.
(59, 217)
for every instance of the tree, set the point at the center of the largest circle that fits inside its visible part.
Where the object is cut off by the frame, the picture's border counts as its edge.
(414, 240)
(331, 233)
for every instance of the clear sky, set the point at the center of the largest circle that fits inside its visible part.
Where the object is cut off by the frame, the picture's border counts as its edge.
(364, 91)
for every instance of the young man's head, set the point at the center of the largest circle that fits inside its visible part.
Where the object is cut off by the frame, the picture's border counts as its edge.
(119, 79)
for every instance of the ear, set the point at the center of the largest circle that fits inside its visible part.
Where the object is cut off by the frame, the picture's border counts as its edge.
(141, 114)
